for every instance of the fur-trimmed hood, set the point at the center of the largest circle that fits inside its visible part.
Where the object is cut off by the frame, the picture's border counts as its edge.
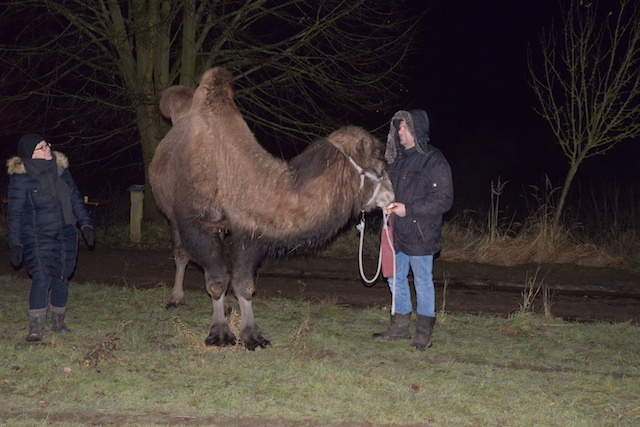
(418, 125)
(15, 165)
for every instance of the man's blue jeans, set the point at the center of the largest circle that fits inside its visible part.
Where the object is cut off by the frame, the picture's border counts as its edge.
(422, 269)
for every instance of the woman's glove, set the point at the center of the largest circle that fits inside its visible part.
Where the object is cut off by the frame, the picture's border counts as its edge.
(16, 255)
(89, 235)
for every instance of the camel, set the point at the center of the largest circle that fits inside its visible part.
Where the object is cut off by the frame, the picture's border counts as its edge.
(211, 178)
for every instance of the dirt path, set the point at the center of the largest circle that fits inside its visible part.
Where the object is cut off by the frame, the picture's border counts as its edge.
(579, 293)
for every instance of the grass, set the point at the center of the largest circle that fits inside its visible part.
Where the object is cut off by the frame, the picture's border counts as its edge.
(131, 362)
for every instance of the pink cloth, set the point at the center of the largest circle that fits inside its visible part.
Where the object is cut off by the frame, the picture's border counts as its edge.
(387, 250)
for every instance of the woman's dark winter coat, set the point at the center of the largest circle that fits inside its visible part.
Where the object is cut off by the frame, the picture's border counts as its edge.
(36, 221)
(421, 178)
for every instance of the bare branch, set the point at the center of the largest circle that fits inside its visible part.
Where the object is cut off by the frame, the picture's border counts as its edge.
(589, 83)
(85, 69)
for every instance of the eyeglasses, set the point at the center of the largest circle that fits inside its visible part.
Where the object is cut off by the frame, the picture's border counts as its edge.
(43, 147)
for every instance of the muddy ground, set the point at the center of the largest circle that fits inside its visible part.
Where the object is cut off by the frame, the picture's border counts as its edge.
(578, 293)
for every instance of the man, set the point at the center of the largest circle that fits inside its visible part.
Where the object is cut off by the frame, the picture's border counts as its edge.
(423, 188)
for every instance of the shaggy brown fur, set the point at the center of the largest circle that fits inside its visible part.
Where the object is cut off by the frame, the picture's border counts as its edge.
(209, 175)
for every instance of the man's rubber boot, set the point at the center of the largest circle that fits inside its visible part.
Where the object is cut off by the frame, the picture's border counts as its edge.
(424, 328)
(398, 329)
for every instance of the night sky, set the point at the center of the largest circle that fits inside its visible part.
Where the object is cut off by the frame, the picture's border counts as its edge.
(471, 76)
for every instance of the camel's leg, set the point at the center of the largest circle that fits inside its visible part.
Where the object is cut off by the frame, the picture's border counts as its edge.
(220, 333)
(246, 257)
(177, 293)
(217, 282)
(205, 249)
(249, 330)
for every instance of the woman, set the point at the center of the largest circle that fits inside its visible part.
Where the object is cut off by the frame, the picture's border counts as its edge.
(44, 207)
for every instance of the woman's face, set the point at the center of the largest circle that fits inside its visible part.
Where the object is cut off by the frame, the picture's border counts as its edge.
(42, 151)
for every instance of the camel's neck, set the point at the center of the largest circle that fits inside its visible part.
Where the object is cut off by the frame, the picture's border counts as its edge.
(312, 198)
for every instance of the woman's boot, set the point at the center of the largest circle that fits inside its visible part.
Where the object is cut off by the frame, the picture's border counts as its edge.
(424, 327)
(399, 328)
(57, 320)
(36, 324)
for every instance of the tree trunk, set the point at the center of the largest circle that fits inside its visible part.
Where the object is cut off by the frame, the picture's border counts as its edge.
(563, 195)
(151, 127)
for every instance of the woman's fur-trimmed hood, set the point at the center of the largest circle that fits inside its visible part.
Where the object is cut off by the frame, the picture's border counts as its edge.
(418, 125)
(15, 165)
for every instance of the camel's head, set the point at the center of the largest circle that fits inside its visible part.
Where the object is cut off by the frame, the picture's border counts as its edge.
(385, 195)
(381, 191)
(175, 102)
(366, 154)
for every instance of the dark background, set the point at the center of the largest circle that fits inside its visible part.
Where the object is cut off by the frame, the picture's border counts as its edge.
(470, 74)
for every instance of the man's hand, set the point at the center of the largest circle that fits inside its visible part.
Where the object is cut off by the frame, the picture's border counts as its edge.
(396, 208)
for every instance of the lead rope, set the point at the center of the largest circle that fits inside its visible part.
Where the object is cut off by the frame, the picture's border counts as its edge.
(385, 232)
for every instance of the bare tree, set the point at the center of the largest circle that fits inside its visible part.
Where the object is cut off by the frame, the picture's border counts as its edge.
(589, 83)
(94, 69)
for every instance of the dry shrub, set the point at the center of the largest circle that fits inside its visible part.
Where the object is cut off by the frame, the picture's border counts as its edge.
(494, 238)
(532, 245)
(625, 244)
(534, 241)
(301, 335)
(460, 238)
(105, 348)
(190, 339)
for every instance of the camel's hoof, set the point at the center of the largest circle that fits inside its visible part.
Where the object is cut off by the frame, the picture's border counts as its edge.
(221, 337)
(217, 341)
(257, 345)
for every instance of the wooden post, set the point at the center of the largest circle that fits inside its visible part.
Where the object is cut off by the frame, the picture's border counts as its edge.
(135, 215)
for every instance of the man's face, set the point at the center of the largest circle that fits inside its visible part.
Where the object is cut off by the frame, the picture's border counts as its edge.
(406, 139)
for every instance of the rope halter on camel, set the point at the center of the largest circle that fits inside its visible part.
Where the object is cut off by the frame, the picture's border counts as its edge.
(363, 174)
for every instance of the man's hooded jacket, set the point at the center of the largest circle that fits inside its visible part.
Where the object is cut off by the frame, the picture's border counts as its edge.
(421, 178)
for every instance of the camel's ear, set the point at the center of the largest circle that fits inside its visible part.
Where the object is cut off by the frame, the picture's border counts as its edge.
(176, 102)
(365, 144)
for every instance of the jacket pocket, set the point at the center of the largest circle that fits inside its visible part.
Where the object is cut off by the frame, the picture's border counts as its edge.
(420, 232)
